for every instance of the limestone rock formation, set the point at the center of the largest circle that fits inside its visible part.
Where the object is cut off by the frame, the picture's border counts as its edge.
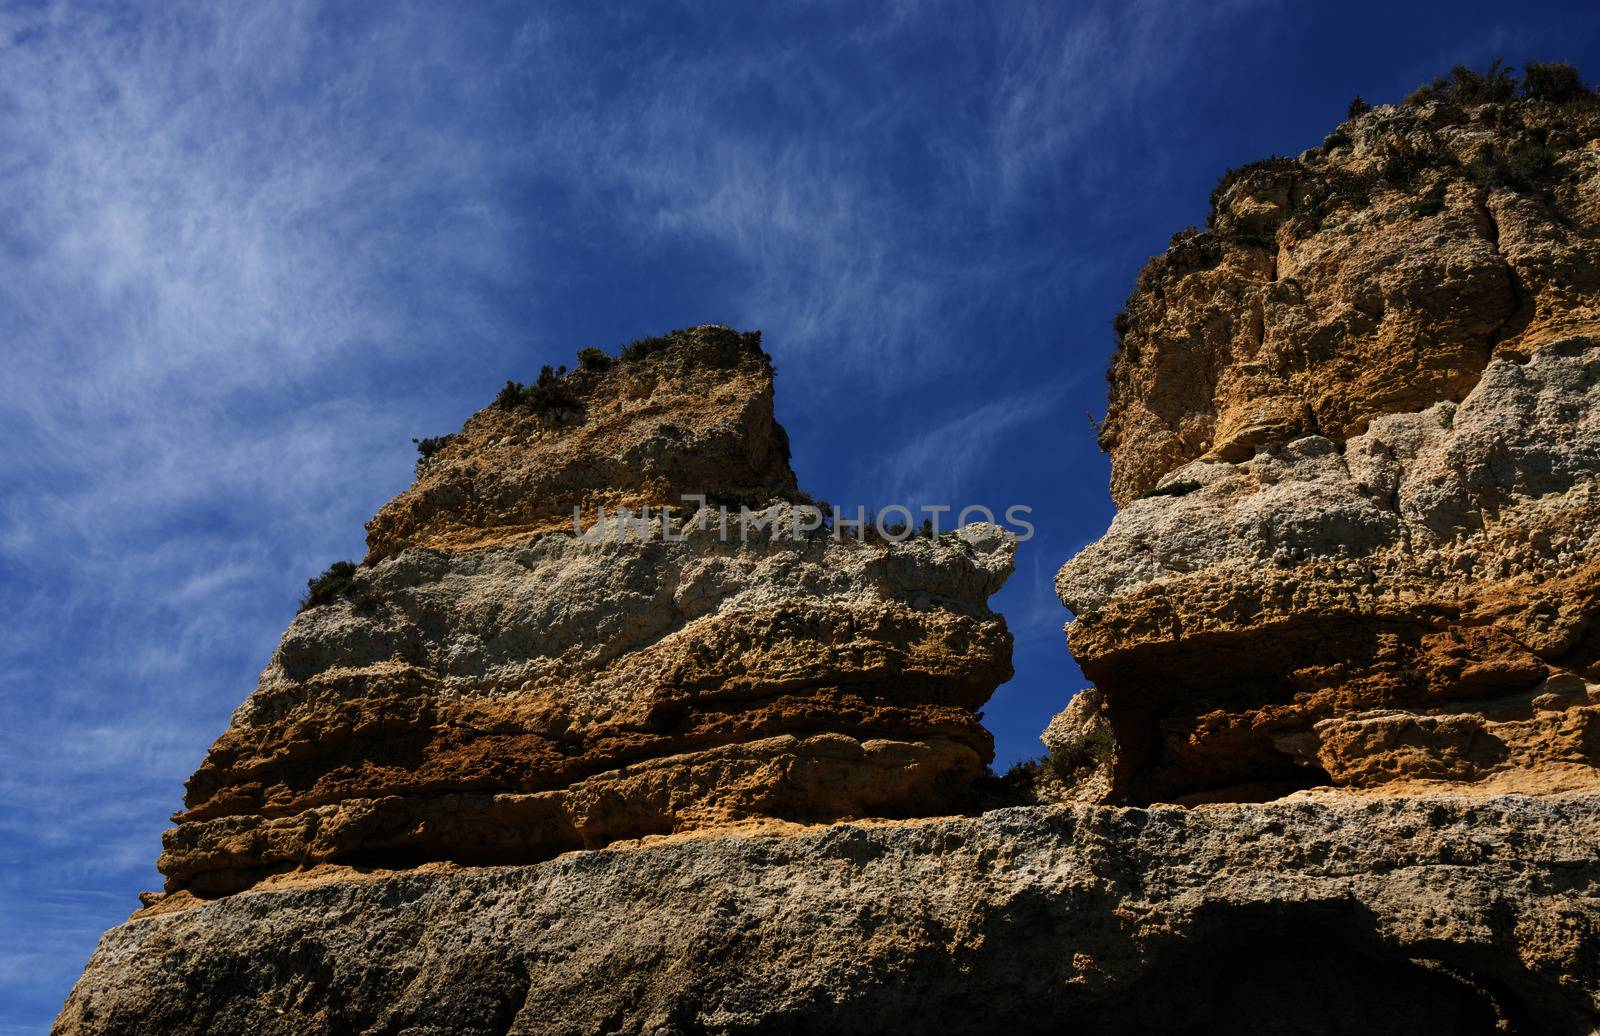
(491, 687)
(1355, 432)
(1377, 274)
(686, 413)
(504, 778)
(1384, 916)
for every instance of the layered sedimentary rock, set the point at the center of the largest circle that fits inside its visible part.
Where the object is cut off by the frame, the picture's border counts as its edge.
(1355, 441)
(686, 413)
(1355, 431)
(1398, 916)
(492, 687)
(1376, 274)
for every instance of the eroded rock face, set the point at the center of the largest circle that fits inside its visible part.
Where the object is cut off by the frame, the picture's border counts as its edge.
(486, 694)
(1368, 572)
(1355, 432)
(695, 417)
(1377, 274)
(1403, 916)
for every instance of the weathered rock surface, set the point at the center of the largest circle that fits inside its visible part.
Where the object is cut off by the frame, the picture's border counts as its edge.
(1355, 431)
(1325, 916)
(1356, 441)
(691, 418)
(1417, 602)
(486, 694)
(1377, 274)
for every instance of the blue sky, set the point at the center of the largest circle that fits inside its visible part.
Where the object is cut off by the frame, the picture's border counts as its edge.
(248, 251)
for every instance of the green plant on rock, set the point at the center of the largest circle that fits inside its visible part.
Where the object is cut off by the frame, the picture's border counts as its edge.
(592, 359)
(510, 396)
(639, 348)
(1523, 164)
(1191, 249)
(1555, 81)
(1496, 84)
(1483, 168)
(330, 586)
(1436, 90)
(1528, 161)
(1085, 750)
(1025, 773)
(549, 393)
(426, 448)
(1254, 175)
(1325, 194)
(1091, 748)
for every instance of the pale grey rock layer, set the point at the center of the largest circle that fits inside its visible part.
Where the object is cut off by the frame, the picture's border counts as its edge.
(1420, 498)
(1308, 915)
(514, 618)
(1416, 603)
(508, 703)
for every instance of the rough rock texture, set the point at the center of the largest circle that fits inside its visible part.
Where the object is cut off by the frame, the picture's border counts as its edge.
(1377, 274)
(694, 417)
(1355, 431)
(1418, 602)
(1356, 440)
(486, 694)
(1406, 916)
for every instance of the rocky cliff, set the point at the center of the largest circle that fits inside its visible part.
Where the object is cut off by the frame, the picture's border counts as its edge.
(1355, 432)
(492, 687)
(1404, 916)
(1337, 772)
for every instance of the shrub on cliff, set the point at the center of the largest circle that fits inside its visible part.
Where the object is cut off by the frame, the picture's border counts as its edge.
(426, 448)
(1191, 249)
(1522, 165)
(1431, 202)
(1556, 82)
(1402, 161)
(1483, 168)
(1083, 752)
(331, 585)
(640, 348)
(1437, 90)
(1040, 779)
(1254, 175)
(1528, 161)
(549, 393)
(1496, 84)
(592, 359)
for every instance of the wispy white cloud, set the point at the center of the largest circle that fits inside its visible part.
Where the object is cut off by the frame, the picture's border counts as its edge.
(214, 253)
(936, 465)
(247, 250)
(832, 249)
